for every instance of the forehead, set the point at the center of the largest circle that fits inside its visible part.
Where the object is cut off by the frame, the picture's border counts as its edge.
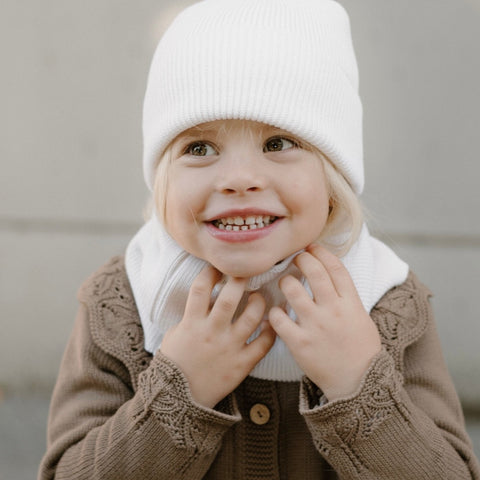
(220, 128)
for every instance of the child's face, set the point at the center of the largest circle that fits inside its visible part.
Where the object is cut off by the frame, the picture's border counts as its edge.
(244, 195)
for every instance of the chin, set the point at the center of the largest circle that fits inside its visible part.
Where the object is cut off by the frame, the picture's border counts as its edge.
(242, 271)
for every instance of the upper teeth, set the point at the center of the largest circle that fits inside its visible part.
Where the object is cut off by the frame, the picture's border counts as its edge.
(240, 223)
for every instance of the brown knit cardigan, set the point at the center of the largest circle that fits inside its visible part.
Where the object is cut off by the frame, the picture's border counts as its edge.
(119, 413)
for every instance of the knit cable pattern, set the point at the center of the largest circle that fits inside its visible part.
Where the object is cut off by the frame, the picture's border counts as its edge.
(114, 320)
(342, 423)
(167, 396)
(398, 330)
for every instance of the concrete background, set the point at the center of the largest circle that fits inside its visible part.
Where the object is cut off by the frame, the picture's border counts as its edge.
(72, 193)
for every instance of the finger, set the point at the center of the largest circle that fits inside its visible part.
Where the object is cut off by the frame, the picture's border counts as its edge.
(297, 296)
(259, 347)
(198, 300)
(341, 279)
(251, 317)
(228, 300)
(318, 277)
(283, 325)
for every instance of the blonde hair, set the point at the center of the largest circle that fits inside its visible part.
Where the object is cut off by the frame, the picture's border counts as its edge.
(345, 218)
(158, 201)
(344, 222)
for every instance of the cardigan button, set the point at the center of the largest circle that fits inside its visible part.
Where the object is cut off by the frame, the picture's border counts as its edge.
(259, 414)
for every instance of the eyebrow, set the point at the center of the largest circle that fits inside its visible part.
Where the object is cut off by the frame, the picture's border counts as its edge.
(198, 132)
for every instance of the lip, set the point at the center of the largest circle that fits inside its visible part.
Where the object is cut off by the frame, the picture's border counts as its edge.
(242, 236)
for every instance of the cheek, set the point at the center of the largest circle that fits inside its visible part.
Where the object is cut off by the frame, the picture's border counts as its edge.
(175, 207)
(312, 203)
(184, 199)
(310, 194)
(178, 221)
(316, 211)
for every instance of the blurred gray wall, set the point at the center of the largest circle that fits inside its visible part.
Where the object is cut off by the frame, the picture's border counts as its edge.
(71, 189)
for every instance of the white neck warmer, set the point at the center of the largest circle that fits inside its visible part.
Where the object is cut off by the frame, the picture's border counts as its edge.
(161, 273)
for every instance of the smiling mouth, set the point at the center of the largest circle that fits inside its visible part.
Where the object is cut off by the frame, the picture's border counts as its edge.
(238, 224)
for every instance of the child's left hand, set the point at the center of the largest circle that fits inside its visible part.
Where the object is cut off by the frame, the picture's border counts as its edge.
(334, 338)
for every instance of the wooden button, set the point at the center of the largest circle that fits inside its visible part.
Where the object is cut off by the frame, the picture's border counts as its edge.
(259, 414)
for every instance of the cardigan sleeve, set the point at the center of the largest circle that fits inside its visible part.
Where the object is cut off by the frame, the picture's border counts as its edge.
(404, 421)
(99, 428)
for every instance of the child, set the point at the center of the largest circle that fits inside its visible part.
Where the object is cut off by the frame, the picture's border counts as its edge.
(232, 343)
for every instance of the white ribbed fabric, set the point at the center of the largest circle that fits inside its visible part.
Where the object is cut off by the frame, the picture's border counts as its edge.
(287, 63)
(161, 273)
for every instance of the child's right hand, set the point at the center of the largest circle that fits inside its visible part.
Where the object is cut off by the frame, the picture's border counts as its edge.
(212, 351)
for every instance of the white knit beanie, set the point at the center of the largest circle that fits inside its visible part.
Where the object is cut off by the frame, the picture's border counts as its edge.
(287, 63)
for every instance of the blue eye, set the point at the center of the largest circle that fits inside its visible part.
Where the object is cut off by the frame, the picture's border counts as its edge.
(278, 144)
(200, 149)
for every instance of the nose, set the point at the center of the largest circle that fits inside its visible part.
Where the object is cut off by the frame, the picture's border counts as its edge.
(242, 174)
